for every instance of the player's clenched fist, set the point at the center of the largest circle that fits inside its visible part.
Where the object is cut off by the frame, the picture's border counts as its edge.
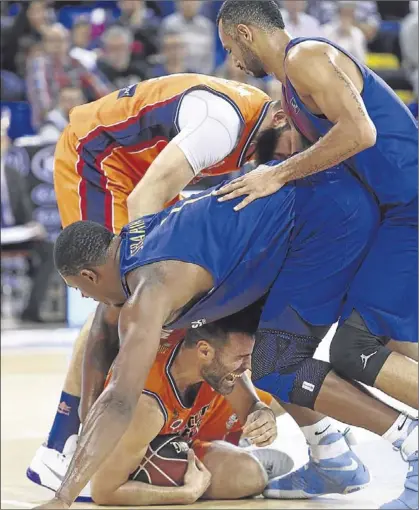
(260, 427)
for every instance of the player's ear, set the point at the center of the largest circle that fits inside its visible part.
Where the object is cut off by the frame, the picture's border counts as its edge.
(205, 350)
(90, 275)
(279, 118)
(245, 33)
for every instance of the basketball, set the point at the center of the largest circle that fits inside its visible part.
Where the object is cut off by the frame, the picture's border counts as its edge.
(165, 462)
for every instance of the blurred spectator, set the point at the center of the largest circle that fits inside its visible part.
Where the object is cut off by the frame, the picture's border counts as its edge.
(23, 33)
(367, 17)
(409, 46)
(48, 73)
(345, 33)
(297, 22)
(55, 120)
(20, 233)
(12, 86)
(172, 57)
(116, 62)
(198, 34)
(81, 35)
(143, 23)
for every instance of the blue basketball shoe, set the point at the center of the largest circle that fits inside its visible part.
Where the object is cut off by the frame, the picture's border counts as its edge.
(408, 499)
(333, 468)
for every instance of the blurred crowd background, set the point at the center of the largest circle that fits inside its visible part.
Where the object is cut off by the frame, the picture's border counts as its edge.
(59, 54)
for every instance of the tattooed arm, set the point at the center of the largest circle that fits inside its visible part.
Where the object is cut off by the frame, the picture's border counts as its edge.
(100, 351)
(315, 70)
(315, 73)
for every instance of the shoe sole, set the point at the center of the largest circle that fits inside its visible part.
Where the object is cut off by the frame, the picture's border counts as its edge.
(300, 494)
(35, 478)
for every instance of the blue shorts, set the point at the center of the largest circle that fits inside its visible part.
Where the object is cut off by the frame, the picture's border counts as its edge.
(333, 237)
(385, 289)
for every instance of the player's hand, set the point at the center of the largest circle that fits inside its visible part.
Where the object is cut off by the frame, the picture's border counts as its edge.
(55, 503)
(260, 427)
(197, 477)
(261, 182)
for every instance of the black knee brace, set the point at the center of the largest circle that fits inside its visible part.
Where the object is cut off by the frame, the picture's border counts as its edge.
(283, 365)
(355, 353)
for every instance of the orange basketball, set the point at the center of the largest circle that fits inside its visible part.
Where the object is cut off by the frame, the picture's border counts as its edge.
(165, 462)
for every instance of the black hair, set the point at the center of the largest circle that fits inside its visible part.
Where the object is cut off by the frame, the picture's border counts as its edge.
(81, 245)
(217, 332)
(264, 14)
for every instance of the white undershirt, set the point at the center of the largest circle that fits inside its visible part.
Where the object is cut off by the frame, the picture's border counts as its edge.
(209, 129)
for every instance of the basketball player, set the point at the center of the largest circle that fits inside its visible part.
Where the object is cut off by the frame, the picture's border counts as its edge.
(347, 113)
(179, 398)
(128, 154)
(161, 281)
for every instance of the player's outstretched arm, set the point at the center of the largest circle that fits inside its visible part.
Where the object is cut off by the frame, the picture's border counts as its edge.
(315, 75)
(141, 321)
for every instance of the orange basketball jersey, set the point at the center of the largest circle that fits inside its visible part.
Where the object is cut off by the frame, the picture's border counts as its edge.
(110, 143)
(209, 418)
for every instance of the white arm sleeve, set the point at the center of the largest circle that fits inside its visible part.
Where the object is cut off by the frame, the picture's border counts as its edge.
(209, 129)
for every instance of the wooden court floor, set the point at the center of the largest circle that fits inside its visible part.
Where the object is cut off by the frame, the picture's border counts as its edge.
(31, 381)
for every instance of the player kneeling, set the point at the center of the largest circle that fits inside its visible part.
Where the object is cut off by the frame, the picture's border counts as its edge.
(197, 389)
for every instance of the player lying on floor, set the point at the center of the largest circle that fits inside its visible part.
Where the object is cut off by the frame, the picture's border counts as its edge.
(195, 390)
(199, 261)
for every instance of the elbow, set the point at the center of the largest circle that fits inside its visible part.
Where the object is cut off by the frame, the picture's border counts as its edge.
(99, 493)
(367, 135)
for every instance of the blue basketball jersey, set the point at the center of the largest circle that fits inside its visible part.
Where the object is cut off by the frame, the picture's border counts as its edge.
(389, 169)
(244, 251)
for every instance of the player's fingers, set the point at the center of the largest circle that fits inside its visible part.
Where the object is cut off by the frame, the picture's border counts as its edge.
(237, 192)
(267, 437)
(230, 186)
(191, 457)
(200, 465)
(269, 441)
(244, 203)
(255, 428)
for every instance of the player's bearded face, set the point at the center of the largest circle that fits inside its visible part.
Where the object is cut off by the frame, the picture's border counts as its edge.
(274, 143)
(220, 376)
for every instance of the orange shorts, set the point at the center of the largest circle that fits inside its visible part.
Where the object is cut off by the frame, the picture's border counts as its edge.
(95, 189)
(222, 425)
(96, 199)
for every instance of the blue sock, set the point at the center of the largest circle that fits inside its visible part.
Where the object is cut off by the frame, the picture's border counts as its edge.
(66, 422)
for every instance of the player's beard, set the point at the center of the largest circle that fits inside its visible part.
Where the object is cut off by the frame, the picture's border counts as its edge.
(214, 374)
(252, 62)
(267, 143)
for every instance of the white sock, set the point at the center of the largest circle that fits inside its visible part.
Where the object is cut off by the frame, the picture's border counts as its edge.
(398, 432)
(315, 433)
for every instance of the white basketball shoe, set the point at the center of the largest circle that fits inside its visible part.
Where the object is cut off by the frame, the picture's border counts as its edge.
(49, 467)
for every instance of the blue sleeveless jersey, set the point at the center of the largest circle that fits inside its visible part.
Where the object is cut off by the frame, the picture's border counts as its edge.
(244, 251)
(389, 169)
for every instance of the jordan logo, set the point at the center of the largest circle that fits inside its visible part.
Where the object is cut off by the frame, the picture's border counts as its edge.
(365, 359)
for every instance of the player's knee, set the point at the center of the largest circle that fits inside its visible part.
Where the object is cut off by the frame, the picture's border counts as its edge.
(283, 365)
(253, 476)
(356, 353)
